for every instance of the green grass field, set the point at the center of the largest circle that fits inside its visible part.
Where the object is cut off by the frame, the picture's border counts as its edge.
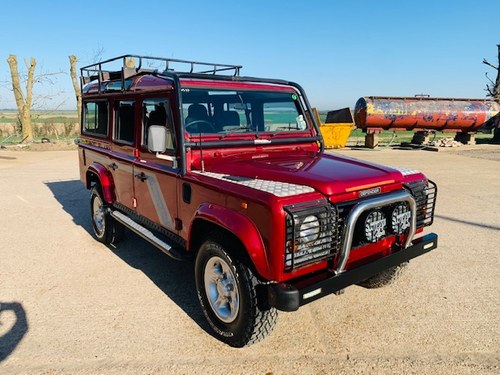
(59, 117)
(357, 137)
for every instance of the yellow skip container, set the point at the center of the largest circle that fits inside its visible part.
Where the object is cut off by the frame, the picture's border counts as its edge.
(337, 127)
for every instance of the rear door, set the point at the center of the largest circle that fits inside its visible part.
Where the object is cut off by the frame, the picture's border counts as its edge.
(155, 177)
(122, 152)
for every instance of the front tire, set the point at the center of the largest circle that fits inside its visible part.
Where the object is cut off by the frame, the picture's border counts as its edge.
(227, 291)
(384, 278)
(106, 229)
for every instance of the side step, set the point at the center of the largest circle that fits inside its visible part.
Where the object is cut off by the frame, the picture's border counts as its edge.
(147, 235)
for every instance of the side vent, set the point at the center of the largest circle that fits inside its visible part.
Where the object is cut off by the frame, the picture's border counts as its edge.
(186, 193)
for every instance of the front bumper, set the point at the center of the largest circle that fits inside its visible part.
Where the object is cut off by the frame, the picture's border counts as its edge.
(286, 297)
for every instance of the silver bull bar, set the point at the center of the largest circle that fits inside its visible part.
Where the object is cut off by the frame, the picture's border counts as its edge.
(359, 208)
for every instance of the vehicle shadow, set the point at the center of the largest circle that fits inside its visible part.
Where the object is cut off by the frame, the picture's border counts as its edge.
(466, 222)
(74, 199)
(10, 339)
(174, 278)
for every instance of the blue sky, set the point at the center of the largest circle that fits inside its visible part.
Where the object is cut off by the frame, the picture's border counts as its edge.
(337, 50)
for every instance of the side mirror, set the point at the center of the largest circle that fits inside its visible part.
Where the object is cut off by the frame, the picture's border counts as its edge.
(157, 138)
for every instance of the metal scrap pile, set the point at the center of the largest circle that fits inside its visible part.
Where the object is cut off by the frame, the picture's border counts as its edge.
(445, 142)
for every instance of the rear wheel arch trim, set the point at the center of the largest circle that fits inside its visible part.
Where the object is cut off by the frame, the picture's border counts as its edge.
(105, 180)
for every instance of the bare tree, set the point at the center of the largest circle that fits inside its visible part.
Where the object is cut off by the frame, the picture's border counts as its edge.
(97, 54)
(27, 101)
(493, 90)
(23, 102)
(72, 62)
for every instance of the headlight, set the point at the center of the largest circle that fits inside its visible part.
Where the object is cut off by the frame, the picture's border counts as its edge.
(400, 218)
(312, 233)
(375, 224)
(310, 228)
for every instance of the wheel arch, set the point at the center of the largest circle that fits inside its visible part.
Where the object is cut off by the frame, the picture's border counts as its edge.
(233, 229)
(98, 174)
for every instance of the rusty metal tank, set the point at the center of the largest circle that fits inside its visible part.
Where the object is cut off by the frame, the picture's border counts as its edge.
(423, 113)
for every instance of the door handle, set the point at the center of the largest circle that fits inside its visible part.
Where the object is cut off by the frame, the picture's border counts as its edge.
(141, 176)
(113, 166)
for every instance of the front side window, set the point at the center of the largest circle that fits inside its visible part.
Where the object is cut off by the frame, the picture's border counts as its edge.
(157, 112)
(247, 111)
(124, 121)
(95, 118)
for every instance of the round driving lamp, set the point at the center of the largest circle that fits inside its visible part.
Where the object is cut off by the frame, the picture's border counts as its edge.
(400, 218)
(375, 224)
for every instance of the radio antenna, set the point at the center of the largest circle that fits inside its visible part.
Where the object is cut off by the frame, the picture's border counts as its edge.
(201, 153)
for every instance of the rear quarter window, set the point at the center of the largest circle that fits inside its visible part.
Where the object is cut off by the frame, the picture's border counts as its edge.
(95, 118)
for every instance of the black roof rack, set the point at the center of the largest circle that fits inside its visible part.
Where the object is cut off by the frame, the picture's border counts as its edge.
(126, 66)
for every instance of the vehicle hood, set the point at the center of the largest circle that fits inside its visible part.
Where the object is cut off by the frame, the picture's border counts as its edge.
(326, 173)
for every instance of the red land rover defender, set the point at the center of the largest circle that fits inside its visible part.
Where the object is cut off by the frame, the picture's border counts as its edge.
(231, 172)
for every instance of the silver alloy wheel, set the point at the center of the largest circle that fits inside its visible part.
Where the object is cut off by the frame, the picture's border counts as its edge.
(221, 289)
(98, 214)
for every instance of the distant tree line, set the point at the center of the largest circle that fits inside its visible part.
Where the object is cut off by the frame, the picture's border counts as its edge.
(22, 88)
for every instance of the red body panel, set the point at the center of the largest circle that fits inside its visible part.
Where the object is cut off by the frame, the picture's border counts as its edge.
(240, 225)
(156, 196)
(123, 175)
(326, 173)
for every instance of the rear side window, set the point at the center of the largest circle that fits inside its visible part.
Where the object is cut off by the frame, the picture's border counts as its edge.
(96, 118)
(124, 121)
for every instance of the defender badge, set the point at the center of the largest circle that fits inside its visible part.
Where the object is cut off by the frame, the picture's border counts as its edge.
(372, 191)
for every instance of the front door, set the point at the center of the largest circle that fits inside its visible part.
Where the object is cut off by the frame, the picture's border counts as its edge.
(155, 175)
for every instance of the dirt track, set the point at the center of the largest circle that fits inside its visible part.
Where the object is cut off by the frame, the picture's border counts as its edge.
(83, 308)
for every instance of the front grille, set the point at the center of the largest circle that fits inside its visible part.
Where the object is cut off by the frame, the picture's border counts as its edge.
(343, 210)
(320, 239)
(424, 192)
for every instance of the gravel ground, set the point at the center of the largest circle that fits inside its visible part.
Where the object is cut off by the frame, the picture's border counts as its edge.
(70, 305)
(488, 152)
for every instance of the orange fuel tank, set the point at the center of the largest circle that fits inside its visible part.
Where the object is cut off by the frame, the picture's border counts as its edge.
(423, 113)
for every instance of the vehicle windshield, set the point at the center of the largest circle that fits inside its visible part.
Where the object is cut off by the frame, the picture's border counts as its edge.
(214, 111)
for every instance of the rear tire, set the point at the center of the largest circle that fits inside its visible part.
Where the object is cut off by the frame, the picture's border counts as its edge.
(384, 278)
(106, 229)
(227, 291)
